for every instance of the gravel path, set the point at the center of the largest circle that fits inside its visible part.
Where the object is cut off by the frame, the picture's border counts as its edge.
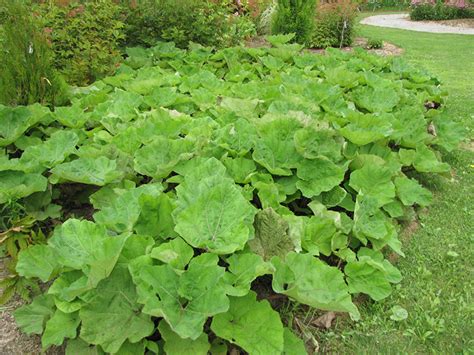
(402, 21)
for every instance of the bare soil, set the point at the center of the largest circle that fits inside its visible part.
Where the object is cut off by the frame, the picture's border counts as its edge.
(12, 340)
(462, 23)
(388, 49)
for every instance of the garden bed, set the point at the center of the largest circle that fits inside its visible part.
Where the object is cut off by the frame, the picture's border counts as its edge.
(387, 49)
(462, 23)
(273, 158)
(199, 192)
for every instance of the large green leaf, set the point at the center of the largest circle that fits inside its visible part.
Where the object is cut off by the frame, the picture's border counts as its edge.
(411, 192)
(243, 269)
(160, 157)
(156, 216)
(52, 151)
(16, 184)
(319, 175)
(313, 143)
(310, 281)
(71, 116)
(16, 120)
(113, 315)
(280, 39)
(175, 345)
(242, 107)
(371, 223)
(135, 247)
(334, 197)
(157, 123)
(410, 127)
(67, 287)
(293, 344)
(371, 274)
(212, 213)
(376, 99)
(425, 161)
(60, 326)
(176, 253)
(449, 133)
(80, 347)
(252, 325)
(374, 181)
(271, 195)
(272, 63)
(125, 212)
(343, 77)
(107, 195)
(93, 171)
(37, 261)
(185, 301)
(241, 169)
(237, 137)
(32, 318)
(364, 129)
(129, 348)
(365, 278)
(318, 236)
(161, 97)
(83, 245)
(275, 150)
(121, 106)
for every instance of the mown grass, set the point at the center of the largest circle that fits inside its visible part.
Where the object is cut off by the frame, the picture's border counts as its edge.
(437, 290)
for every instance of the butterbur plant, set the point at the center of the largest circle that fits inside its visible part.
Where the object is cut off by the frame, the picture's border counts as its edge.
(219, 180)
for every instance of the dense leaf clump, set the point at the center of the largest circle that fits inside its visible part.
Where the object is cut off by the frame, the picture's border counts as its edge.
(210, 180)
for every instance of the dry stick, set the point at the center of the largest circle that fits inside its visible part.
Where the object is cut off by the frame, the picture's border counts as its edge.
(344, 25)
(240, 8)
(14, 229)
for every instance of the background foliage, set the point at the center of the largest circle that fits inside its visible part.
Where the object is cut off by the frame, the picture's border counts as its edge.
(334, 25)
(295, 16)
(330, 24)
(373, 5)
(206, 22)
(439, 11)
(26, 71)
(85, 38)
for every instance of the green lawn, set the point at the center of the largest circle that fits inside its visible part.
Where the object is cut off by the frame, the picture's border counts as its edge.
(437, 290)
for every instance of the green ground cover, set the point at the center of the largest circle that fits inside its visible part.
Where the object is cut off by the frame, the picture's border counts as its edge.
(213, 178)
(437, 286)
(160, 110)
